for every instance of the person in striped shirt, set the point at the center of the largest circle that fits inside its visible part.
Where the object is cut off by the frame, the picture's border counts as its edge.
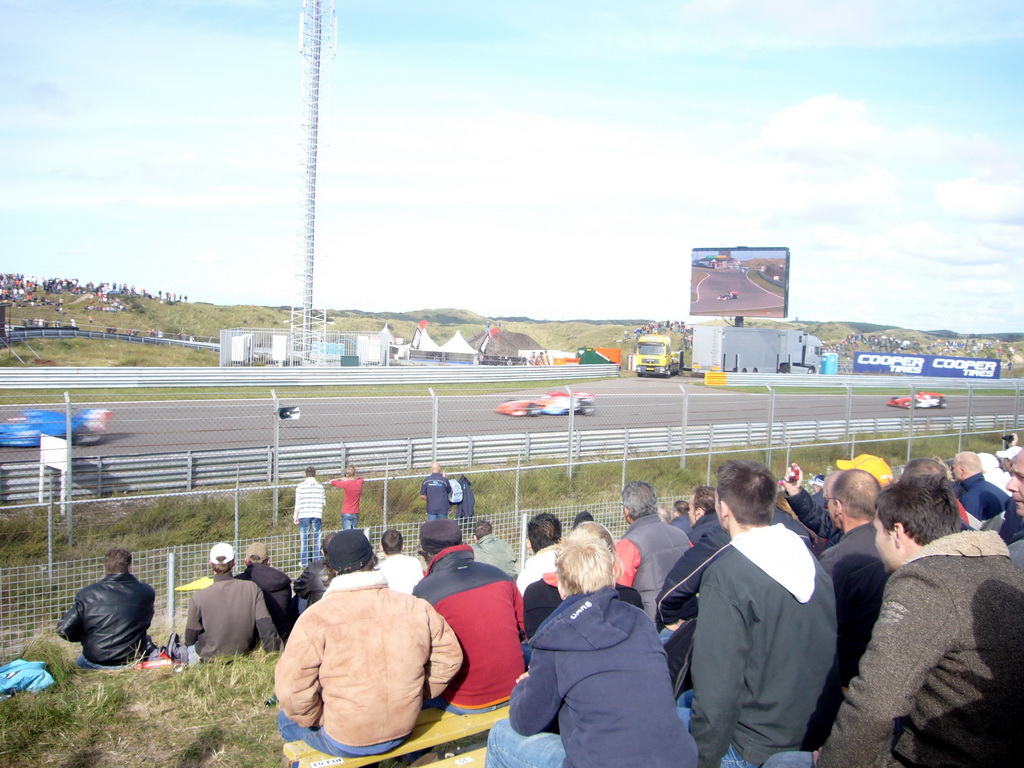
(309, 513)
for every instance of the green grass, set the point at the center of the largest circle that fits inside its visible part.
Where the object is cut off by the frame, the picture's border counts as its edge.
(204, 716)
(764, 282)
(166, 521)
(207, 715)
(83, 353)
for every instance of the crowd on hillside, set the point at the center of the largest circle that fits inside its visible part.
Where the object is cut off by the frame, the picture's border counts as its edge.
(35, 292)
(858, 620)
(657, 326)
(862, 342)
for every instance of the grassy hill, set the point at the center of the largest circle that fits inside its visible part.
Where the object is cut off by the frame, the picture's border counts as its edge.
(200, 319)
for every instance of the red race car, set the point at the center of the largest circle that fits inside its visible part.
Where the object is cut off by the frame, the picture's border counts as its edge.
(556, 403)
(922, 400)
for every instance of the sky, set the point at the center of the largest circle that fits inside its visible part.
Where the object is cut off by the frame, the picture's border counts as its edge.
(554, 159)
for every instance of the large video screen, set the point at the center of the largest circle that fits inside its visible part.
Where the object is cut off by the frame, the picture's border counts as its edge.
(740, 282)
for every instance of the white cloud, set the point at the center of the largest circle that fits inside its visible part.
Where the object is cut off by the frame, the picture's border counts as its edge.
(982, 201)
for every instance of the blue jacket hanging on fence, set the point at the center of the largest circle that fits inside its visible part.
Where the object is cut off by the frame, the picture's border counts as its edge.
(467, 507)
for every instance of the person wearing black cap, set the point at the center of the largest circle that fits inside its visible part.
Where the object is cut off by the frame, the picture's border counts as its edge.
(352, 678)
(276, 586)
(484, 607)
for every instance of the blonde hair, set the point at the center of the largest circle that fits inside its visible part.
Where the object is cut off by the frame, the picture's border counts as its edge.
(594, 531)
(585, 563)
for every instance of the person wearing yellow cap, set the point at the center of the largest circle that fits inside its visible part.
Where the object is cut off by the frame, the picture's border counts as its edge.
(871, 464)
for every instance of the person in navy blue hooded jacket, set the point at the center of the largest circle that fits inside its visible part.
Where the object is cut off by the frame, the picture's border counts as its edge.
(598, 676)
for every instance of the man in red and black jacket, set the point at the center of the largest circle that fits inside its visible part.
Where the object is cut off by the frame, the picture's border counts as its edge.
(484, 607)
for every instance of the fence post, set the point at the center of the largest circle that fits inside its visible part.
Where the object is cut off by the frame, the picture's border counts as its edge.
(237, 492)
(387, 477)
(68, 476)
(519, 464)
(277, 450)
(522, 538)
(849, 412)
(711, 444)
(572, 413)
(170, 589)
(625, 453)
(913, 407)
(686, 418)
(49, 530)
(970, 411)
(789, 447)
(1016, 406)
(433, 435)
(771, 421)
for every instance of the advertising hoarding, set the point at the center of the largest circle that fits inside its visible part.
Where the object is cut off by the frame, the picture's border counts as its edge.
(739, 282)
(926, 365)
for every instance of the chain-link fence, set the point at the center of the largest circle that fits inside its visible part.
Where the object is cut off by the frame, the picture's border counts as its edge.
(560, 462)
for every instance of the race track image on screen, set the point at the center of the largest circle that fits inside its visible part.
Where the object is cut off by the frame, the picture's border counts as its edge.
(740, 282)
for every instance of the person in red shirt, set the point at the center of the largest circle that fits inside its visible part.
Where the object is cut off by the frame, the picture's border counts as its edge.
(352, 484)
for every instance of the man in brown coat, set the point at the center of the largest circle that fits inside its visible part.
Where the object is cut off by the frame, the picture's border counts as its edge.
(360, 661)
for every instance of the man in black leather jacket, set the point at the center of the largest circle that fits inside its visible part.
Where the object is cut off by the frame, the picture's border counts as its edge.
(111, 617)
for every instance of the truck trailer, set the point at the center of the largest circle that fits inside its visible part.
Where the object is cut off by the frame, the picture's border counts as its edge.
(754, 350)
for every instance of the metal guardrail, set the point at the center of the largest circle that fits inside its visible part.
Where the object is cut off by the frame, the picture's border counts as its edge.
(24, 334)
(120, 378)
(193, 470)
(860, 380)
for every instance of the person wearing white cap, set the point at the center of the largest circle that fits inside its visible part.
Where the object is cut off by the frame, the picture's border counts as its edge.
(228, 617)
(1007, 456)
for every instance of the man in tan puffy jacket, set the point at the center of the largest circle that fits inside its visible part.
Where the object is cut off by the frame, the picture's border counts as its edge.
(361, 660)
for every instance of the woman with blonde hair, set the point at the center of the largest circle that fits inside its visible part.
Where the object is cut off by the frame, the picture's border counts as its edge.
(541, 597)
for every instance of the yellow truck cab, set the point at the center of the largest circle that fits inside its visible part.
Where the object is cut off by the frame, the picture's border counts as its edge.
(654, 357)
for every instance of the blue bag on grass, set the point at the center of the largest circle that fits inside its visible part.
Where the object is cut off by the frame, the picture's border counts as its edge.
(21, 675)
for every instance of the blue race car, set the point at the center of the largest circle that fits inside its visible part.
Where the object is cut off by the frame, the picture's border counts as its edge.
(87, 426)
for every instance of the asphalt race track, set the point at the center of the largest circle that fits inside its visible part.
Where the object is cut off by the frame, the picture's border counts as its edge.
(161, 427)
(753, 298)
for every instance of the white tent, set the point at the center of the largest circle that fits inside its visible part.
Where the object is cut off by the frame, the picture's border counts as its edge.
(423, 342)
(457, 345)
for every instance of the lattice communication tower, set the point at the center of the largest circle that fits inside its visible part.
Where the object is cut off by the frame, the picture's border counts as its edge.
(318, 33)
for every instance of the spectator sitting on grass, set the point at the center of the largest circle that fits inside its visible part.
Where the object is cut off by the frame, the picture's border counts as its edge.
(111, 617)
(312, 582)
(228, 617)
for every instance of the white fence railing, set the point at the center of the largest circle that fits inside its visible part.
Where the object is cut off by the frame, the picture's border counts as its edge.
(193, 470)
(118, 378)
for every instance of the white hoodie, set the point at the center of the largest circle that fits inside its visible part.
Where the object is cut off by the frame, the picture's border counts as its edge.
(781, 554)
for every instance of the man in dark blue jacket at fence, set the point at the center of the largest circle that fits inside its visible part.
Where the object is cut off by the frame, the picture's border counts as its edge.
(434, 491)
(598, 672)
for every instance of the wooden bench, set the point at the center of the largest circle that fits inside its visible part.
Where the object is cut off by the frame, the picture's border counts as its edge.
(433, 727)
(472, 759)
